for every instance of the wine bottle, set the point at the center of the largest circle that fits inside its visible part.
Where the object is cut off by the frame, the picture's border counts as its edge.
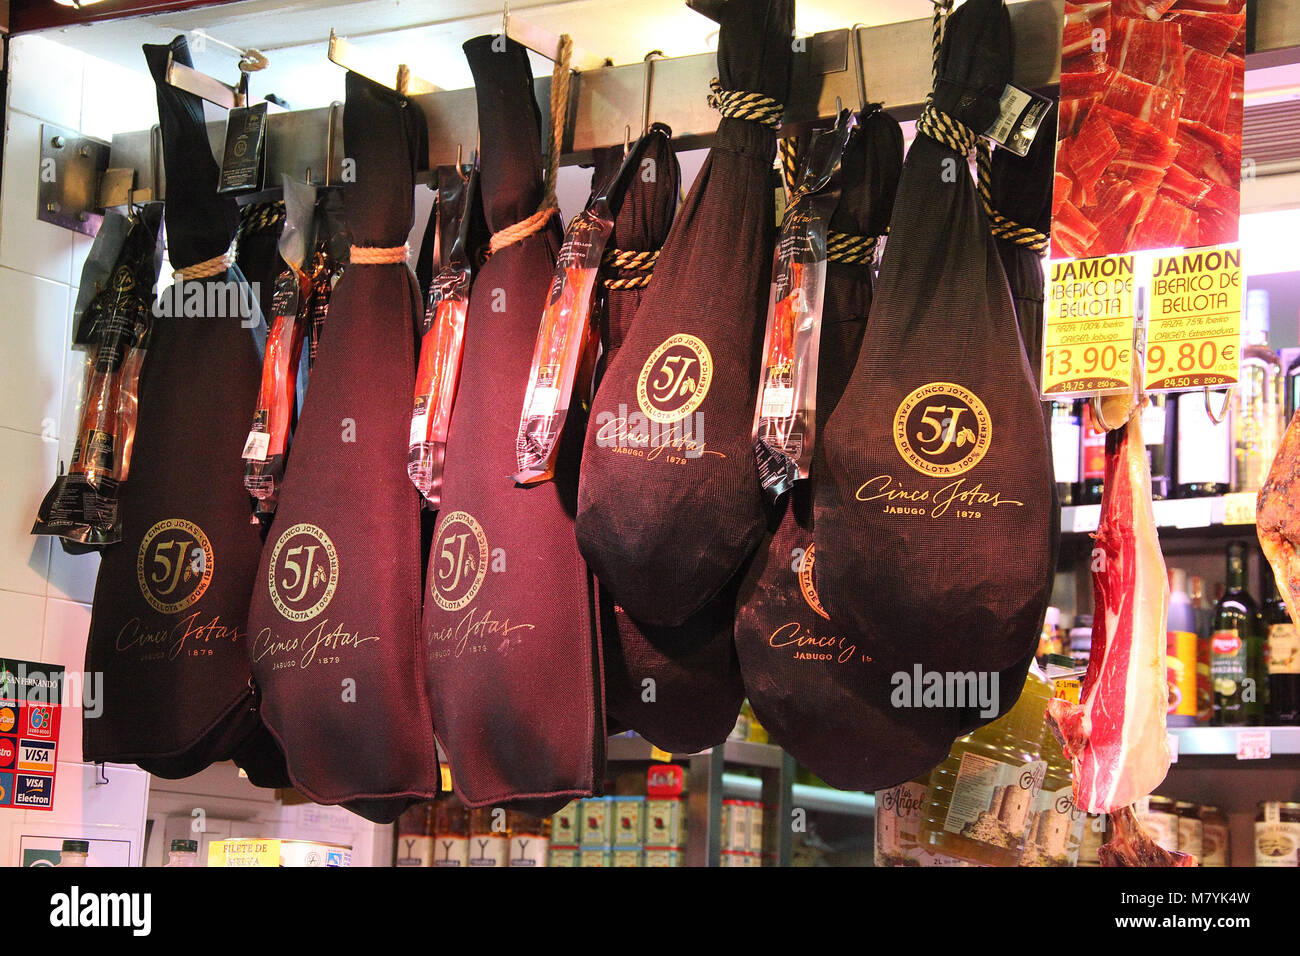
(1235, 628)
(1093, 454)
(1257, 404)
(1204, 465)
(1283, 654)
(1066, 442)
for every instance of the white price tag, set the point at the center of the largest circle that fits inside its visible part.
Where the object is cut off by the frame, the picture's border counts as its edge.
(777, 401)
(256, 447)
(1173, 748)
(419, 428)
(1253, 745)
(545, 400)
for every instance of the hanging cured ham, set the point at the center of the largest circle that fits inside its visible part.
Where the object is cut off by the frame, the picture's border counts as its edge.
(168, 625)
(808, 683)
(667, 516)
(334, 621)
(936, 456)
(511, 654)
(1115, 736)
(678, 687)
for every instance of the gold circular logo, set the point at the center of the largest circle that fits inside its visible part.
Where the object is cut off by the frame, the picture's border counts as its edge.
(459, 560)
(174, 565)
(942, 429)
(806, 583)
(674, 379)
(303, 573)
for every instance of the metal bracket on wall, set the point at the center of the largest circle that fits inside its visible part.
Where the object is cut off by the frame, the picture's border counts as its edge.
(75, 183)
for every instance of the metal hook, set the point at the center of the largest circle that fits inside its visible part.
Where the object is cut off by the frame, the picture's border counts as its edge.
(459, 152)
(329, 139)
(1096, 413)
(858, 67)
(648, 88)
(101, 775)
(1223, 411)
(627, 140)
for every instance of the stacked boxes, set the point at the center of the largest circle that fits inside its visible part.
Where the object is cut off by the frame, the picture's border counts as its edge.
(566, 829)
(664, 817)
(742, 833)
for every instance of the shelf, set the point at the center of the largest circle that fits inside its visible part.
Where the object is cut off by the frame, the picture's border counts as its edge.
(1223, 741)
(847, 802)
(738, 752)
(1174, 514)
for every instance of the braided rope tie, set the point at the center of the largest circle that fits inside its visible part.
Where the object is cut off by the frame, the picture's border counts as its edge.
(261, 217)
(789, 150)
(938, 21)
(379, 255)
(849, 248)
(941, 127)
(215, 266)
(626, 259)
(999, 225)
(560, 76)
(737, 104)
(643, 262)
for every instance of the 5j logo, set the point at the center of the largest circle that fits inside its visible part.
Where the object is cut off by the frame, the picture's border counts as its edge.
(174, 565)
(460, 561)
(942, 429)
(303, 573)
(674, 379)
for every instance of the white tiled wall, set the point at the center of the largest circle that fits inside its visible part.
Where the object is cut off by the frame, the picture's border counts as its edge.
(45, 594)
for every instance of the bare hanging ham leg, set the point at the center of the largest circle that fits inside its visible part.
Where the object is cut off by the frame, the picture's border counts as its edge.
(1132, 846)
(1116, 735)
(1277, 519)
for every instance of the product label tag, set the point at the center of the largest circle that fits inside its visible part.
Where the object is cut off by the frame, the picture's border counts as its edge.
(241, 162)
(1020, 114)
(1088, 336)
(1254, 745)
(256, 447)
(1239, 507)
(1194, 320)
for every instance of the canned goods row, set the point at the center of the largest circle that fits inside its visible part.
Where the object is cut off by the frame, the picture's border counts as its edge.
(619, 821)
(615, 856)
(742, 825)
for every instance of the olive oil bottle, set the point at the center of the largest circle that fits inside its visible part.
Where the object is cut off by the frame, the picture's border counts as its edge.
(980, 799)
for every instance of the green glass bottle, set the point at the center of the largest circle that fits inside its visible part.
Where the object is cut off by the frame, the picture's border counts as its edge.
(1234, 642)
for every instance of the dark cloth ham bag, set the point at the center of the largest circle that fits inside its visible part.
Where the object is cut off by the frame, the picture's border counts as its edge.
(168, 625)
(808, 683)
(668, 517)
(678, 687)
(1020, 191)
(334, 621)
(512, 658)
(934, 515)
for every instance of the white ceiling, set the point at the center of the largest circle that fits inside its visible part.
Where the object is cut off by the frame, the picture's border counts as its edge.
(427, 35)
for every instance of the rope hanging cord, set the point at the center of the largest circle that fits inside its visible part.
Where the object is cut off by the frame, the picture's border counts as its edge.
(961, 138)
(379, 255)
(643, 262)
(215, 266)
(999, 225)
(560, 76)
(737, 104)
(849, 248)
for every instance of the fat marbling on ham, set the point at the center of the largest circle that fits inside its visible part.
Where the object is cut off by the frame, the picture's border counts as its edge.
(1116, 736)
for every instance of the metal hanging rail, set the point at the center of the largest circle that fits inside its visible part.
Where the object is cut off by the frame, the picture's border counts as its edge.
(895, 57)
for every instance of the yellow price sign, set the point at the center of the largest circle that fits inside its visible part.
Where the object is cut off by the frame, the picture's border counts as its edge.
(1194, 320)
(1088, 335)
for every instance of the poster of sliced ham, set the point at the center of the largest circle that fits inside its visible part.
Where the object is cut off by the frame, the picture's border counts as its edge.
(1149, 147)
